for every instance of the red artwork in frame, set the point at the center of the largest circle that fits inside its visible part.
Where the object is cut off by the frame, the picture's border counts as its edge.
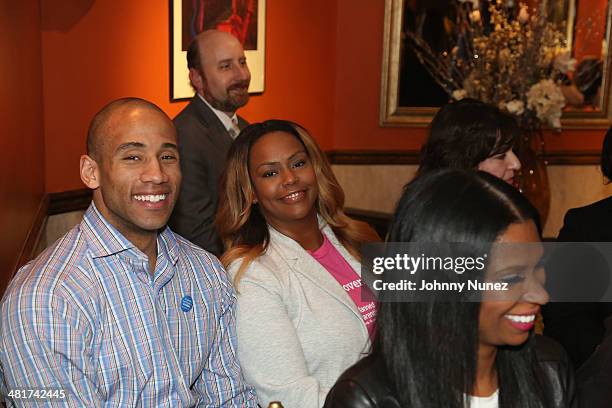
(245, 19)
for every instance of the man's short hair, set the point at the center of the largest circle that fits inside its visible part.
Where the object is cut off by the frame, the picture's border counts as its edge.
(194, 58)
(193, 55)
(101, 119)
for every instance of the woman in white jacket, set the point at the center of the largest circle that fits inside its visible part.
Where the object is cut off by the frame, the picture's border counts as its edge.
(302, 315)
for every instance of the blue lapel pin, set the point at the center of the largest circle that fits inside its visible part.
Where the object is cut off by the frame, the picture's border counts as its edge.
(186, 303)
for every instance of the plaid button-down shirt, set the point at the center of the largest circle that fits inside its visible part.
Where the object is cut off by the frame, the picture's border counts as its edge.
(88, 318)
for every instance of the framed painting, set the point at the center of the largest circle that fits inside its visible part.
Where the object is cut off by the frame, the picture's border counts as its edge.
(243, 18)
(410, 96)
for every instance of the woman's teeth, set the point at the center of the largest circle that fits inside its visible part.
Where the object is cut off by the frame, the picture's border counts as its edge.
(521, 318)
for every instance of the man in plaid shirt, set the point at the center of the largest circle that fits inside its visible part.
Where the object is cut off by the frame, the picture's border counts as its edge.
(121, 311)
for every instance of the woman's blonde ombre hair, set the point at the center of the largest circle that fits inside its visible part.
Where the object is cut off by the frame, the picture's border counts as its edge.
(241, 225)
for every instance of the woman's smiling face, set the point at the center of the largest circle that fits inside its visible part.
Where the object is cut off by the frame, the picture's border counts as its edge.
(506, 317)
(284, 179)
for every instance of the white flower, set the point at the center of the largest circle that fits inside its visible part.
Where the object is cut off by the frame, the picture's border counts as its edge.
(459, 94)
(547, 100)
(523, 16)
(475, 16)
(516, 107)
(564, 62)
(556, 122)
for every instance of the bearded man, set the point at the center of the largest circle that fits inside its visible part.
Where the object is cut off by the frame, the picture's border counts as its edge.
(206, 129)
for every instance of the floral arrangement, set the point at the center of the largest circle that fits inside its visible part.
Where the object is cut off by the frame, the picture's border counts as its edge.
(516, 60)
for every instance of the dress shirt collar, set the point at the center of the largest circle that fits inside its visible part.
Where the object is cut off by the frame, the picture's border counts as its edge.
(223, 117)
(104, 239)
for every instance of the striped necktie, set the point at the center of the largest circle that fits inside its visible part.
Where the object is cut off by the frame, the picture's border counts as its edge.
(234, 130)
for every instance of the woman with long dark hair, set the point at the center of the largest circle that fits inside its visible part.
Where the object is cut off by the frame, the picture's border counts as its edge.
(295, 260)
(454, 350)
(470, 134)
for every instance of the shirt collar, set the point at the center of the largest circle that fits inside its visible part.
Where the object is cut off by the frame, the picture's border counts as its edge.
(104, 239)
(223, 117)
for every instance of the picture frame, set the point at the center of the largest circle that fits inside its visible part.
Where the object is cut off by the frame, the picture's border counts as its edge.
(244, 18)
(395, 114)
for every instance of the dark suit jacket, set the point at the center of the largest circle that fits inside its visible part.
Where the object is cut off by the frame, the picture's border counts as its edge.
(203, 146)
(594, 379)
(579, 327)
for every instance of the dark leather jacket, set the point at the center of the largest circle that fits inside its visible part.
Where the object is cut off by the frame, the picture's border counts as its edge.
(366, 385)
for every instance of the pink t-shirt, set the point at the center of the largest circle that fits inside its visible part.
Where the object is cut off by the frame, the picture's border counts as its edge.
(329, 257)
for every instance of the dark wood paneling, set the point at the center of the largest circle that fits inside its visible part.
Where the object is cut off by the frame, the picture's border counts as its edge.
(399, 157)
(34, 234)
(380, 221)
(573, 158)
(66, 201)
(368, 157)
(54, 203)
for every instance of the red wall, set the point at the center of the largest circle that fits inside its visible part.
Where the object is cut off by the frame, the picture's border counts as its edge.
(323, 68)
(358, 72)
(21, 141)
(590, 29)
(94, 52)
